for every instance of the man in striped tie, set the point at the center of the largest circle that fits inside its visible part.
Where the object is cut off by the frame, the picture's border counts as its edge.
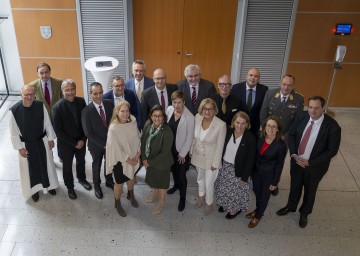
(314, 139)
(95, 119)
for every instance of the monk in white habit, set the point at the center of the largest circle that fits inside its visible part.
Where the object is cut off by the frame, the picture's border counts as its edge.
(33, 136)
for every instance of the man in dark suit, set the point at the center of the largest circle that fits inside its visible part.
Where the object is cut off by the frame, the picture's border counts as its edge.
(119, 93)
(66, 115)
(138, 84)
(251, 95)
(160, 94)
(195, 88)
(95, 120)
(226, 103)
(314, 139)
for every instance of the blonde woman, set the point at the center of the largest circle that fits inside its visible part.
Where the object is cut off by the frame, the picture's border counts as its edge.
(123, 153)
(206, 151)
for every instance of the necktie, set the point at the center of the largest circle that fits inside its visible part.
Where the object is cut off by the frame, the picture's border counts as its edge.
(193, 96)
(249, 100)
(138, 92)
(47, 94)
(102, 114)
(223, 106)
(162, 98)
(283, 102)
(305, 139)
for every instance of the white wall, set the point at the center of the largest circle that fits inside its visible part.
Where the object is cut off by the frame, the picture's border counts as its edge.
(10, 51)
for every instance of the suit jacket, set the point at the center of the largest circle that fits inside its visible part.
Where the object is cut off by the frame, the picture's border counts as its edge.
(206, 90)
(184, 132)
(287, 113)
(271, 162)
(55, 89)
(232, 107)
(68, 128)
(149, 99)
(207, 153)
(245, 154)
(160, 157)
(93, 126)
(326, 144)
(129, 97)
(239, 91)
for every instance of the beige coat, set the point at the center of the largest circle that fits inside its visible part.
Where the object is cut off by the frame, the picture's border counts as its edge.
(208, 153)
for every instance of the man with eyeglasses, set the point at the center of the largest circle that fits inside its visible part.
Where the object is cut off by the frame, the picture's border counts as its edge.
(160, 94)
(95, 119)
(66, 115)
(195, 88)
(120, 93)
(33, 136)
(227, 104)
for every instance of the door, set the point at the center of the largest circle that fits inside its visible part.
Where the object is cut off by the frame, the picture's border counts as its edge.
(173, 34)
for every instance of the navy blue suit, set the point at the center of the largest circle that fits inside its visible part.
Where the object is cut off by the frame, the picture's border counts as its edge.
(130, 85)
(267, 171)
(239, 91)
(129, 97)
(325, 148)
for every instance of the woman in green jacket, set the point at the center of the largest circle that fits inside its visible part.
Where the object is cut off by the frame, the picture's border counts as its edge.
(156, 143)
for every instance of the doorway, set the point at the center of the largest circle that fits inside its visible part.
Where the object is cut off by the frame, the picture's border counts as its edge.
(173, 34)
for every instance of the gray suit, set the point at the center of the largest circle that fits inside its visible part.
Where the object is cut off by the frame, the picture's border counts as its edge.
(206, 90)
(287, 113)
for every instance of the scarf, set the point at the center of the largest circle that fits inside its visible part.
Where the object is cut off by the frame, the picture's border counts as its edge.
(152, 133)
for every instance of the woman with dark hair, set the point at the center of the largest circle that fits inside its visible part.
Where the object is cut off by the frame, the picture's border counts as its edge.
(270, 156)
(156, 143)
(123, 153)
(181, 122)
(231, 186)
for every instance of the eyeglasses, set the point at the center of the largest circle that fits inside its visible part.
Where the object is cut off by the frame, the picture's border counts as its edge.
(208, 109)
(225, 85)
(271, 126)
(69, 90)
(157, 116)
(29, 94)
(97, 94)
(194, 76)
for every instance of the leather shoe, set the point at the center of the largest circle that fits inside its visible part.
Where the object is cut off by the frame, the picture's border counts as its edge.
(181, 205)
(275, 192)
(253, 223)
(230, 216)
(52, 192)
(85, 184)
(284, 211)
(110, 185)
(35, 197)
(221, 209)
(98, 192)
(251, 215)
(71, 193)
(303, 220)
(172, 190)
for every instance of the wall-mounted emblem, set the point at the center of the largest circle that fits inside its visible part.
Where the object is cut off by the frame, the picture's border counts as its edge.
(45, 31)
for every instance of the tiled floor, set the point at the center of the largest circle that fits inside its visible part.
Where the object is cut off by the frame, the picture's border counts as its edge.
(57, 225)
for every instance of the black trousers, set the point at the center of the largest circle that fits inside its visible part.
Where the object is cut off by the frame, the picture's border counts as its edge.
(307, 178)
(262, 192)
(179, 175)
(68, 154)
(97, 156)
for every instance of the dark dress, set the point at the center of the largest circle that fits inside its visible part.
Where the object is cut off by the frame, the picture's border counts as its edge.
(160, 158)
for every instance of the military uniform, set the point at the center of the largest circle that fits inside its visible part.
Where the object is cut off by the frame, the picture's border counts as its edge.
(286, 112)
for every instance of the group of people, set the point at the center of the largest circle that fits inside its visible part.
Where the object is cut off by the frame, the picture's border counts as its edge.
(239, 134)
